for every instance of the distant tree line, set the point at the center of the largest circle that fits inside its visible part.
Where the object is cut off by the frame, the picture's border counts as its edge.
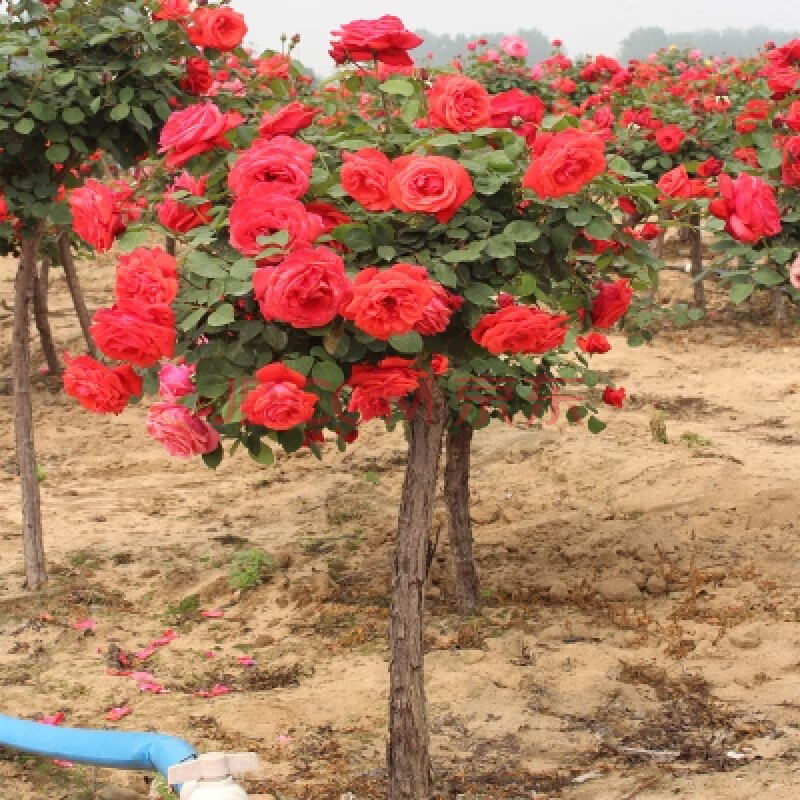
(641, 42)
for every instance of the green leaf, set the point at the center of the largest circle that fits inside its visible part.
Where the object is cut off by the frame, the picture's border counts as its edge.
(132, 238)
(142, 117)
(223, 315)
(243, 269)
(24, 126)
(578, 217)
(189, 322)
(262, 455)
(768, 277)
(73, 115)
(120, 112)
(328, 375)
(407, 343)
(64, 78)
(740, 292)
(444, 140)
(57, 154)
(522, 231)
(596, 425)
(770, 159)
(205, 265)
(599, 228)
(481, 294)
(500, 247)
(397, 86)
(213, 460)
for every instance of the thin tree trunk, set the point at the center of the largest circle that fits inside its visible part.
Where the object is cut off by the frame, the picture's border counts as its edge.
(780, 308)
(696, 255)
(407, 753)
(456, 493)
(40, 313)
(33, 548)
(71, 274)
(172, 246)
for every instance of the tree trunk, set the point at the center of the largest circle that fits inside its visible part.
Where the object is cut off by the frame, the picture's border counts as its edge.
(407, 753)
(459, 527)
(33, 549)
(40, 313)
(780, 308)
(172, 246)
(71, 274)
(696, 255)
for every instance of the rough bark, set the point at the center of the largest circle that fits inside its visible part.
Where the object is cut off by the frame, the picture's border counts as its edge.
(696, 256)
(407, 753)
(459, 526)
(780, 308)
(40, 313)
(33, 549)
(71, 274)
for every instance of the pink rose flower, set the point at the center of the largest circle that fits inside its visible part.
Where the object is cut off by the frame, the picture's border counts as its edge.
(514, 46)
(182, 432)
(175, 380)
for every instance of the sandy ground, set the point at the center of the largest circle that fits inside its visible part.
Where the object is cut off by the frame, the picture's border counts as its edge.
(641, 633)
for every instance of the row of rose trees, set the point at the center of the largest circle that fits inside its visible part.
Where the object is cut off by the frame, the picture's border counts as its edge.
(390, 245)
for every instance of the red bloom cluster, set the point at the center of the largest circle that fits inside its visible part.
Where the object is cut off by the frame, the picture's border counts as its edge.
(385, 39)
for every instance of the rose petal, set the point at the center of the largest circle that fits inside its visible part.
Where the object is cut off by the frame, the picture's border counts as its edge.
(212, 614)
(118, 713)
(85, 625)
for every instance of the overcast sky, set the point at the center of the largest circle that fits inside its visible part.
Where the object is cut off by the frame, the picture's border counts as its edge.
(586, 26)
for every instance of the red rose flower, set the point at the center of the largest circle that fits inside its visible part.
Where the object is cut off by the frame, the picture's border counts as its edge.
(279, 402)
(196, 130)
(139, 334)
(594, 343)
(570, 159)
(431, 184)
(669, 138)
(791, 162)
(306, 290)
(390, 301)
(458, 103)
(198, 78)
(176, 10)
(219, 28)
(329, 216)
(437, 313)
(677, 184)
(98, 387)
(287, 120)
(614, 397)
(365, 176)
(148, 276)
(610, 303)
(276, 66)
(748, 207)
(710, 167)
(520, 329)
(283, 164)
(180, 217)
(440, 364)
(93, 217)
(374, 387)
(262, 212)
(385, 39)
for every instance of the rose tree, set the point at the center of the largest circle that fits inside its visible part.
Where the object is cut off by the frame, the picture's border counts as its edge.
(377, 249)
